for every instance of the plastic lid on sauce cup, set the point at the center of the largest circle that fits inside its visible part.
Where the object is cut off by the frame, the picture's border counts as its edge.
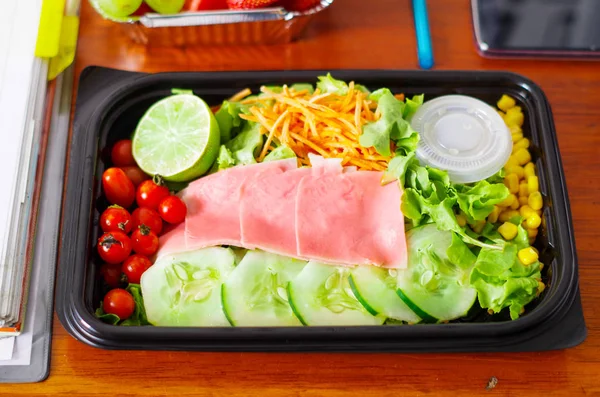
(463, 135)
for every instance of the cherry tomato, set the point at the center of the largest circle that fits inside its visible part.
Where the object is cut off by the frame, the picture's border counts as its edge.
(149, 194)
(118, 189)
(148, 217)
(121, 154)
(135, 174)
(114, 247)
(144, 241)
(119, 302)
(172, 209)
(201, 5)
(135, 266)
(116, 219)
(111, 274)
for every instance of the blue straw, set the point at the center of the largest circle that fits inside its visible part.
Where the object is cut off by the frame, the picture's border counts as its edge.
(424, 49)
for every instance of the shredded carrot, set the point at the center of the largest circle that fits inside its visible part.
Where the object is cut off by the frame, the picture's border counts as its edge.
(328, 124)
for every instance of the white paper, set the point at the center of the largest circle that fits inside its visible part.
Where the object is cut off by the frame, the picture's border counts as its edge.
(7, 346)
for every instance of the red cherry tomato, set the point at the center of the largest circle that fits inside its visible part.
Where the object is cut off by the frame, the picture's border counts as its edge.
(135, 174)
(144, 241)
(172, 209)
(115, 219)
(118, 189)
(119, 302)
(149, 194)
(148, 217)
(111, 274)
(135, 266)
(201, 5)
(114, 247)
(121, 154)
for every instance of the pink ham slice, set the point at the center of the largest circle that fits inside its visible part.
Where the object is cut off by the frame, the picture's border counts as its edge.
(213, 204)
(350, 219)
(172, 242)
(268, 210)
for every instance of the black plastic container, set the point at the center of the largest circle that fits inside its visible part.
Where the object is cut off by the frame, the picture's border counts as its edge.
(109, 104)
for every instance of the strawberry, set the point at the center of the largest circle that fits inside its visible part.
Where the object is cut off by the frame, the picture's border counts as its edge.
(143, 10)
(202, 5)
(249, 4)
(299, 5)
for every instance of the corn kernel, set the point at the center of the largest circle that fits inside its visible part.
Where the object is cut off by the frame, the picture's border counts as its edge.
(506, 102)
(461, 219)
(501, 113)
(527, 256)
(522, 156)
(493, 216)
(508, 230)
(515, 204)
(531, 232)
(529, 170)
(541, 266)
(478, 228)
(515, 129)
(506, 215)
(541, 286)
(533, 184)
(533, 221)
(523, 200)
(525, 211)
(521, 144)
(535, 201)
(531, 240)
(515, 169)
(512, 183)
(512, 160)
(523, 189)
(507, 202)
(516, 137)
(514, 116)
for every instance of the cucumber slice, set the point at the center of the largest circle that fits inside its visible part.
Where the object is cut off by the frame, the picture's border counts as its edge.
(183, 289)
(434, 287)
(375, 289)
(321, 295)
(255, 292)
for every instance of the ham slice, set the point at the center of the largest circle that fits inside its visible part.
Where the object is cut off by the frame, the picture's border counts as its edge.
(213, 203)
(172, 242)
(350, 219)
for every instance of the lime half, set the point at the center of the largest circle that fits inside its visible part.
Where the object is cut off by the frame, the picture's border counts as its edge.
(178, 138)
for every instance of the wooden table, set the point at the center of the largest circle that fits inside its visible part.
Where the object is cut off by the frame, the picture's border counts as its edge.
(341, 38)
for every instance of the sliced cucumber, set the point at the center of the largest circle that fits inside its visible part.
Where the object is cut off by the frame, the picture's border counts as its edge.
(435, 288)
(255, 292)
(375, 288)
(321, 295)
(183, 289)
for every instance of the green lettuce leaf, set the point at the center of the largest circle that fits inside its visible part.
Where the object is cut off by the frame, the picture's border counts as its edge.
(280, 153)
(244, 146)
(377, 94)
(329, 84)
(460, 254)
(139, 314)
(478, 201)
(412, 105)
(391, 126)
(224, 159)
(107, 318)
(229, 120)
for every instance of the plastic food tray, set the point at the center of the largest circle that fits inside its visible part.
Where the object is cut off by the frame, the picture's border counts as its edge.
(109, 104)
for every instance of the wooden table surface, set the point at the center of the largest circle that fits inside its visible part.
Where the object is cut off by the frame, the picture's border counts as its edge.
(359, 34)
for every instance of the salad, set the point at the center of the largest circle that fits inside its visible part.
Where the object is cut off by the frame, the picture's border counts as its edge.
(312, 205)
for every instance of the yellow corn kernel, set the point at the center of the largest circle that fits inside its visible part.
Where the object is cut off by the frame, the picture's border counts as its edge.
(533, 184)
(512, 183)
(515, 204)
(515, 169)
(523, 189)
(527, 256)
(501, 113)
(508, 230)
(461, 219)
(541, 266)
(516, 137)
(529, 170)
(521, 144)
(525, 211)
(506, 215)
(541, 286)
(514, 116)
(478, 228)
(506, 102)
(533, 221)
(512, 160)
(523, 200)
(535, 201)
(493, 216)
(507, 201)
(515, 129)
(531, 232)
(522, 156)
